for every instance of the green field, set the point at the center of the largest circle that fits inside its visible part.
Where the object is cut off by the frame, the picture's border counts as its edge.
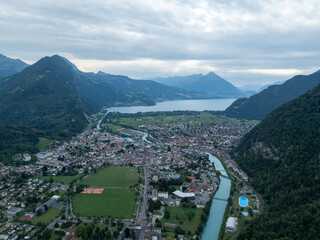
(116, 203)
(179, 215)
(62, 179)
(113, 177)
(44, 144)
(117, 200)
(48, 216)
(162, 120)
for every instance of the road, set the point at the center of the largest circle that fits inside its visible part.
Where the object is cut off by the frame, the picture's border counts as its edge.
(144, 204)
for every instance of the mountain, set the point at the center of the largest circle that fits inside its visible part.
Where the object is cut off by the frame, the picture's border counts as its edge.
(53, 96)
(211, 84)
(268, 85)
(9, 66)
(261, 104)
(281, 155)
(43, 96)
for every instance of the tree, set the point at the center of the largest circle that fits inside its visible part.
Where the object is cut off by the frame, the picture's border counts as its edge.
(179, 231)
(127, 232)
(46, 234)
(80, 232)
(44, 170)
(158, 223)
(115, 233)
(39, 212)
(166, 214)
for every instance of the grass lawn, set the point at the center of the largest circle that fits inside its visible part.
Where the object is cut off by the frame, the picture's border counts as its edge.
(117, 203)
(62, 179)
(180, 214)
(48, 216)
(117, 199)
(113, 177)
(44, 144)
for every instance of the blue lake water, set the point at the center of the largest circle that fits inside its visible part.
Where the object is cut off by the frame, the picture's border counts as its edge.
(212, 228)
(182, 105)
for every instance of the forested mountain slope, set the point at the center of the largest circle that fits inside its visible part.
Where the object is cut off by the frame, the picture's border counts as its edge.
(261, 104)
(281, 155)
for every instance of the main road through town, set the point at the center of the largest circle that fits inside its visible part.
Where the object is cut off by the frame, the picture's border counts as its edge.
(143, 215)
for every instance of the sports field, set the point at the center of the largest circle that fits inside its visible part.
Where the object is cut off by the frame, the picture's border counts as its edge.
(116, 203)
(117, 199)
(112, 177)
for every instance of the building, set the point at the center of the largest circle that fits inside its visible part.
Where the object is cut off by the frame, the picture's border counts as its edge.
(13, 211)
(231, 224)
(180, 194)
(163, 195)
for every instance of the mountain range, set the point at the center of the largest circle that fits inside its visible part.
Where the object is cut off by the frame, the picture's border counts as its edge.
(281, 156)
(53, 91)
(53, 98)
(211, 84)
(9, 66)
(261, 104)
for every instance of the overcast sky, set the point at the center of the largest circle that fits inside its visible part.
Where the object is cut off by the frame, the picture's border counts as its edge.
(246, 42)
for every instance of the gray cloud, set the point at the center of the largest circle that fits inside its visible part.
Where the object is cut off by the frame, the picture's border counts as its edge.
(146, 38)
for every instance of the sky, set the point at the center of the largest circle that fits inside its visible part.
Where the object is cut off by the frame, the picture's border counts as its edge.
(247, 42)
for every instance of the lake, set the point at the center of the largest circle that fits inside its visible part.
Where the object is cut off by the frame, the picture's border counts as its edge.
(182, 105)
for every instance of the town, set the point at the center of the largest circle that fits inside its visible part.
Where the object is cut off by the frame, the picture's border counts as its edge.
(156, 166)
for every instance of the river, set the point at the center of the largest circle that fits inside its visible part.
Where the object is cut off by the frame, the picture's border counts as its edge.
(215, 218)
(178, 105)
(212, 227)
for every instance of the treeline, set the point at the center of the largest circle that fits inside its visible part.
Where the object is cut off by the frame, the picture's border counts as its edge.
(155, 114)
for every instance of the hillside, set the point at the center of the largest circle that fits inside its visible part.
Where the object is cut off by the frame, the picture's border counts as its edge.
(54, 98)
(261, 104)
(43, 96)
(9, 66)
(16, 140)
(211, 84)
(281, 156)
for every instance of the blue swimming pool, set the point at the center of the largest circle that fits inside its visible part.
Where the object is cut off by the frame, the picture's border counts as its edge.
(245, 213)
(243, 201)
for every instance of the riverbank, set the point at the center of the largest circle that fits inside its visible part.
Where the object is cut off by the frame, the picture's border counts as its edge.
(219, 203)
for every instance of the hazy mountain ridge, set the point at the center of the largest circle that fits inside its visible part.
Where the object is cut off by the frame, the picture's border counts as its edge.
(9, 66)
(261, 104)
(211, 84)
(281, 156)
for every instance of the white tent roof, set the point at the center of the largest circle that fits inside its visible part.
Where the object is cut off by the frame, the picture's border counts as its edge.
(182, 194)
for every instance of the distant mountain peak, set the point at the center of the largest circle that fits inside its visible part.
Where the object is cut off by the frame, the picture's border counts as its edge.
(211, 84)
(9, 66)
(212, 74)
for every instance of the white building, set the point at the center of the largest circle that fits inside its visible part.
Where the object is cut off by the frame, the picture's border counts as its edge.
(163, 195)
(231, 224)
(180, 194)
